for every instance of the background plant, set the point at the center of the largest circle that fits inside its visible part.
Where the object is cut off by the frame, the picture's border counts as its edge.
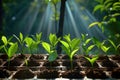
(70, 47)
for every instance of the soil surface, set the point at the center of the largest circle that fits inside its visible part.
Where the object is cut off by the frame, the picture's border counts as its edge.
(72, 74)
(96, 74)
(4, 73)
(48, 74)
(24, 74)
(116, 73)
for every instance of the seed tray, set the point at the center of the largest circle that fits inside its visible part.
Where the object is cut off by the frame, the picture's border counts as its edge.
(38, 67)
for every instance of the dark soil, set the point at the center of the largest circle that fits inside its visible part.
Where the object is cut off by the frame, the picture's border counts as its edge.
(67, 63)
(14, 62)
(72, 74)
(4, 73)
(115, 57)
(116, 73)
(1, 61)
(108, 63)
(67, 57)
(96, 74)
(103, 57)
(4, 57)
(24, 74)
(37, 57)
(21, 56)
(32, 62)
(53, 64)
(48, 74)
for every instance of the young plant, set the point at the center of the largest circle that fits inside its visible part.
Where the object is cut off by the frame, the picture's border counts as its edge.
(11, 50)
(51, 47)
(101, 45)
(31, 44)
(21, 41)
(9, 47)
(115, 47)
(92, 60)
(37, 39)
(86, 46)
(70, 47)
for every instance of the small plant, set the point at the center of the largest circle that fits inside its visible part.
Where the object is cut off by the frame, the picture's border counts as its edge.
(21, 42)
(92, 60)
(101, 45)
(31, 44)
(115, 47)
(86, 46)
(70, 47)
(37, 39)
(51, 47)
(10, 49)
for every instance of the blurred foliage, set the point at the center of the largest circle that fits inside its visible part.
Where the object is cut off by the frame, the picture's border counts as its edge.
(110, 22)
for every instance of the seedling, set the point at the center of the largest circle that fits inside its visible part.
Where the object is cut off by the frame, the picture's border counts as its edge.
(21, 42)
(31, 44)
(70, 47)
(11, 49)
(51, 47)
(86, 46)
(115, 47)
(92, 60)
(101, 45)
(37, 39)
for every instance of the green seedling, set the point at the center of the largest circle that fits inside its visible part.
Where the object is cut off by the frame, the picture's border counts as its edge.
(51, 47)
(70, 47)
(31, 44)
(115, 47)
(86, 46)
(37, 39)
(101, 45)
(92, 60)
(21, 41)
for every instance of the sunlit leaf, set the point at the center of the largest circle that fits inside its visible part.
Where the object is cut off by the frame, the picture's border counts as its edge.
(93, 24)
(98, 7)
(12, 50)
(46, 46)
(4, 39)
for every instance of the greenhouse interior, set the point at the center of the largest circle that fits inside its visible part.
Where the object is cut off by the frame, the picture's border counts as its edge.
(59, 39)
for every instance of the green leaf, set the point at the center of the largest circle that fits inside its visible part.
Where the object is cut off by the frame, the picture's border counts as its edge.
(53, 39)
(21, 36)
(104, 48)
(73, 52)
(52, 56)
(67, 38)
(4, 39)
(116, 4)
(98, 7)
(90, 48)
(87, 41)
(38, 36)
(12, 50)
(113, 44)
(29, 41)
(93, 24)
(92, 61)
(65, 44)
(46, 47)
(108, 1)
(75, 43)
